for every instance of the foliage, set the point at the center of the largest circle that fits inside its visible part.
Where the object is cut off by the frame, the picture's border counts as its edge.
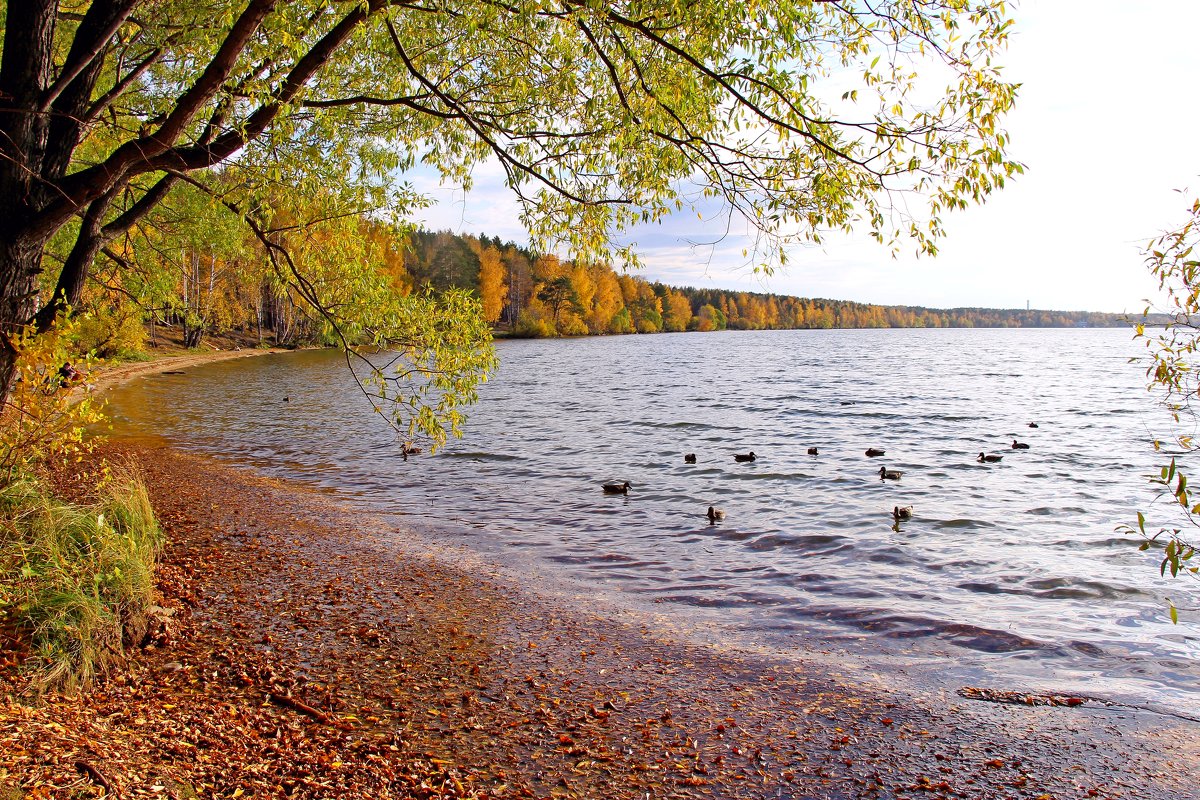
(436, 350)
(559, 294)
(603, 117)
(600, 290)
(530, 325)
(492, 290)
(76, 581)
(111, 329)
(1172, 372)
(40, 420)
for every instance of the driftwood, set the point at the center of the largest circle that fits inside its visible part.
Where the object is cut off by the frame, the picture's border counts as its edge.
(97, 777)
(1020, 698)
(287, 701)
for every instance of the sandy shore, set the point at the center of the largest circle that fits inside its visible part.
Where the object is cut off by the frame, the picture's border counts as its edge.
(317, 651)
(107, 377)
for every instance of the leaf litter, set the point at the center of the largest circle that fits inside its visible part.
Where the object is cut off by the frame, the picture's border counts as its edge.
(304, 657)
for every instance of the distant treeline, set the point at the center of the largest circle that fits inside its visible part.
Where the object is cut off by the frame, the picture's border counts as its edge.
(541, 295)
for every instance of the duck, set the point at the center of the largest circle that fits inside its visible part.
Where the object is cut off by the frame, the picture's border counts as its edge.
(690, 458)
(875, 451)
(409, 449)
(889, 474)
(1033, 424)
(617, 487)
(902, 512)
(812, 451)
(715, 514)
(1019, 445)
(983, 457)
(744, 456)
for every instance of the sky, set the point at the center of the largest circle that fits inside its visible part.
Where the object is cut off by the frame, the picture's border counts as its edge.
(1106, 123)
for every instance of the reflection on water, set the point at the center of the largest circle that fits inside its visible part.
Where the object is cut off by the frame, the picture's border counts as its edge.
(1011, 567)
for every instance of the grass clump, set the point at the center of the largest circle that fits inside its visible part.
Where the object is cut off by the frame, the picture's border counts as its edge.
(76, 581)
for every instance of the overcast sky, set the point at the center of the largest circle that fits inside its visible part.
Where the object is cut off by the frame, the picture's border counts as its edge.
(1107, 124)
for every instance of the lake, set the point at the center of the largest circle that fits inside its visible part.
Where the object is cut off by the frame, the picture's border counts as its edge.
(1009, 574)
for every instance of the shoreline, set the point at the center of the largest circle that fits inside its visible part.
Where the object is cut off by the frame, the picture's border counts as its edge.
(309, 651)
(107, 377)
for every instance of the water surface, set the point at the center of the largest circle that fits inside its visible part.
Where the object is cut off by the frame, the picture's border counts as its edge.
(1010, 574)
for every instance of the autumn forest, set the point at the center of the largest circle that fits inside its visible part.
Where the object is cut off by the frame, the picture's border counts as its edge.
(206, 285)
(534, 295)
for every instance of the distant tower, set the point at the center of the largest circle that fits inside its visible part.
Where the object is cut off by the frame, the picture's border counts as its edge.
(1026, 305)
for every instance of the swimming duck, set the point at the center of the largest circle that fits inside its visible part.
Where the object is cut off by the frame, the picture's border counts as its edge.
(617, 487)
(889, 474)
(1033, 424)
(690, 458)
(1019, 445)
(744, 456)
(812, 451)
(875, 451)
(715, 514)
(902, 512)
(409, 449)
(989, 459)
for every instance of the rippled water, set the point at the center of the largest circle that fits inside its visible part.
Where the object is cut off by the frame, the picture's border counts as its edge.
(1008, 572)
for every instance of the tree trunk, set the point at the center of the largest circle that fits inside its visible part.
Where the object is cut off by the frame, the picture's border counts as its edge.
(24, 75)
(20, 262)
(193, 335)
(258, 318)
(75, 269)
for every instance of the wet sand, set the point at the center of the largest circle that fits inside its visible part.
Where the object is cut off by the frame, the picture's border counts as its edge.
(317, 651)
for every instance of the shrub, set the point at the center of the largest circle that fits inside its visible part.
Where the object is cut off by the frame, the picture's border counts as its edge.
(112, 332)
(40, 422)
(532, 326)
(76, 581)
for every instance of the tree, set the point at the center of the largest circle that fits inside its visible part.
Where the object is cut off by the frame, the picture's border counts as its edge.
(200, 246)
(559, 294)
(646, 309)
(606, 302)
(677, 314)
(453, 264)
(1172, 371)
(520, 283)
(710, 319)
(492, 290)
(603, 116)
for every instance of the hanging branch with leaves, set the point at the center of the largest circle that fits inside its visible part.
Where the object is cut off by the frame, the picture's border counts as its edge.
(1172, 372)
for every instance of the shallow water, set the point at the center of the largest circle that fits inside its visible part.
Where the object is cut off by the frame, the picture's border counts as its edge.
(1009, 573)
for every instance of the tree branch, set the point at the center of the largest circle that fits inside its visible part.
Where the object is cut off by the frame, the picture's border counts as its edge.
(153, 153)
(122, 84)
(101, 22)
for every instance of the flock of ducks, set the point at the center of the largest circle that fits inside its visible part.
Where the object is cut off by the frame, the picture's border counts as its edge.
(899, 513)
